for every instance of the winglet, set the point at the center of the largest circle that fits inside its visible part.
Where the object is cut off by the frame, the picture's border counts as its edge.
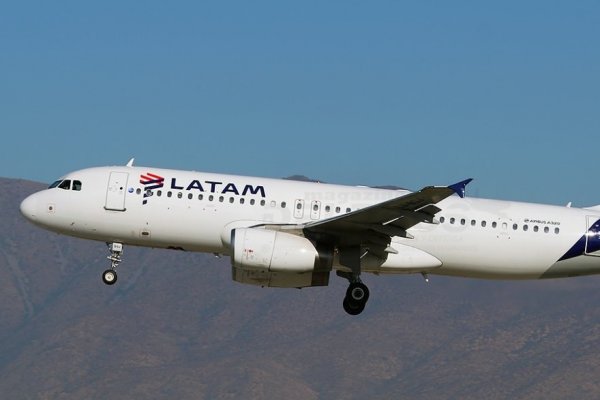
(130, 163)
(459, 188)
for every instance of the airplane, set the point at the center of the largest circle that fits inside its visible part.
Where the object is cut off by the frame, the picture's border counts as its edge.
(282, 233)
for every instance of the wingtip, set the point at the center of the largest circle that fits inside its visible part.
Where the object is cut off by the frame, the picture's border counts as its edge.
(459, 187)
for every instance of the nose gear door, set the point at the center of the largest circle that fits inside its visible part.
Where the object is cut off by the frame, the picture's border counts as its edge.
(115, 193)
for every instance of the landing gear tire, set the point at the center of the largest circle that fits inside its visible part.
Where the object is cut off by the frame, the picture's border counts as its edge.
(352, 307)
(358, 292)
(109, 276)
(356, 298)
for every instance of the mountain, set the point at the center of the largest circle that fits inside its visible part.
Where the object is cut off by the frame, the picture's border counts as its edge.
(303, 178)
(176, 326)
(300, 178)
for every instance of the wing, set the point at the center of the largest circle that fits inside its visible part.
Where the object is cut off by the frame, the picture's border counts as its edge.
(351, 236)
(372, 228)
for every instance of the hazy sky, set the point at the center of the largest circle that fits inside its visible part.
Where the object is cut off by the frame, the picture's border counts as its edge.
(356, 92)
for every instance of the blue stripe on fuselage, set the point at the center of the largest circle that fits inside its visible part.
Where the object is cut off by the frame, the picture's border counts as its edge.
(579, 248)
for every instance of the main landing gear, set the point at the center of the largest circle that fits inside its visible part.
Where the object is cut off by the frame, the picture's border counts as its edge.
(110, 275)
(356, 298)
(357, 293)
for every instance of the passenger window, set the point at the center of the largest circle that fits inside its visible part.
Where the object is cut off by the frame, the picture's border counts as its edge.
(525, 228)
(494, 224)
(337, 209)
(462, 221)
(556, 230)
(169, 194)
(299, 206)
(159, 193)
(190, 196)
(452, 220)
(200, 197)
(442, 219)
(179, 195)
(473, 222)
(77, 185)
(66, 185)
(483, 224)
(348, 210)
(515, 227)
(535, 228)
(211, 197)
(283, 204)
(315, 207)
(546, 229)
(252, 201)
(138, 191)
(231, 199)
(242, 200)
(221, 198)
(327, 208)
(262, 202)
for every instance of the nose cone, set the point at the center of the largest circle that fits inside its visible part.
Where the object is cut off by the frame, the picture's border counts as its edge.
(29, 208)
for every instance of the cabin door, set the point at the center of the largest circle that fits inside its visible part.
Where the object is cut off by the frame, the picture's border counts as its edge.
(115, 193)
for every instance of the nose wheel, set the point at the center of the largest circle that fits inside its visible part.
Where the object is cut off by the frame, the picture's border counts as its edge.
(109, 276)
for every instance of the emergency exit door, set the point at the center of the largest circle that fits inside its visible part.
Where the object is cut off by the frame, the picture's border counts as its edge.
(115, 193)
(315, 209)
(299, 208)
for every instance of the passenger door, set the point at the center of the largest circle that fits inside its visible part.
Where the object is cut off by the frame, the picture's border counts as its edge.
(115, 193)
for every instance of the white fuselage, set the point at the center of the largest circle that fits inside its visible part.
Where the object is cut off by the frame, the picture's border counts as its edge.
(196, 211)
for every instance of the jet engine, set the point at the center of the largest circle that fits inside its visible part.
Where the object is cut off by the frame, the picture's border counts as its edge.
(274, 258)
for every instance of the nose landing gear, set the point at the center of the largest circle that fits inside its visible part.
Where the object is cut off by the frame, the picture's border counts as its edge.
(109, 276)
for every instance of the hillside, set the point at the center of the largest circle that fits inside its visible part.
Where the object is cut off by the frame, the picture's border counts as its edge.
(176, 326)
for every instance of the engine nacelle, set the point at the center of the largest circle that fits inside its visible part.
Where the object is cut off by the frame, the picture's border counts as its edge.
(272, 251)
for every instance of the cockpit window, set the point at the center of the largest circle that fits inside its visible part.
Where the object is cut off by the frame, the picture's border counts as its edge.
(55, 184)
(66, 184)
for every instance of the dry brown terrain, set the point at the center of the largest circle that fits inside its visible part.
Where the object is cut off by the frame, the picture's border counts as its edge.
(176, 326)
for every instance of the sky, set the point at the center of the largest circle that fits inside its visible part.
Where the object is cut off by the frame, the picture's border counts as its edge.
(407, 93)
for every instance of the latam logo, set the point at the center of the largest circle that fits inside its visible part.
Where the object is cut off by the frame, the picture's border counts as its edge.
(151, 182)
(218, 187)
